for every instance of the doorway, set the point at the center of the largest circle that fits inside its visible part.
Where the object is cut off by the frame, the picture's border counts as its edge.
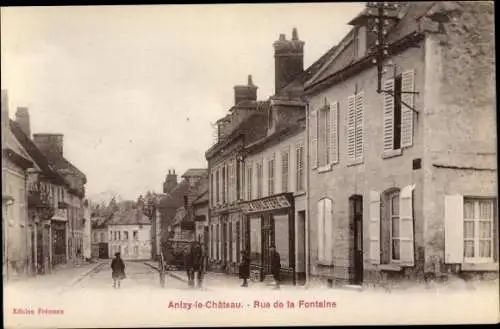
(356, 216)
(267, 241)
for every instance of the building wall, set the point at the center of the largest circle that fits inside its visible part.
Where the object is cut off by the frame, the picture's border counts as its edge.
(98, 235)
(375, 173)
(87, 239)
(460, 99)
(17, 242)
(130, 248)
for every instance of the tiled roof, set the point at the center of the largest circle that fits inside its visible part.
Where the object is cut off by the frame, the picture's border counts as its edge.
(201, 172)
(409, 13)
(37, 155)
(62, 163)
(133, 216)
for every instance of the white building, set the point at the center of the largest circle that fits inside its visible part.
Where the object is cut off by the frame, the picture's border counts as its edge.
(129, 232)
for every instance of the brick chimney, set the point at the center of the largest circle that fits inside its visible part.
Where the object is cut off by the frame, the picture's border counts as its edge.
(49, 144)
(245, 93)
(170, 182)
(23, 120)
(288, 60)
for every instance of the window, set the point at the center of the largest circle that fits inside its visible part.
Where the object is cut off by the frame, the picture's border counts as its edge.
(95, 237)
(102, 237)
(325, 231)
(224, 184)
(478, 229)
(135, 235)
(125, 251)
(249, 182)
(394, 222)
(119, 235)
(355, 122)
(324, 136)
(212, 240)
(125, 235)
(212, 191)
(300, 167)
(270, 176)
(259, 179)
(285, 157)
(217, 245)
(398, 118)
(136, 251)
(217, 187)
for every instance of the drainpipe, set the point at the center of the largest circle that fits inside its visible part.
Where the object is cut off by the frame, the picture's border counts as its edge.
(308, 192)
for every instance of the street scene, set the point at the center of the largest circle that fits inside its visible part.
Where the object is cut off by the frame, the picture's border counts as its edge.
(162, 163)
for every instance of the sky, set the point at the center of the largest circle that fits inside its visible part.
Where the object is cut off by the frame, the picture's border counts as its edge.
(135, 89)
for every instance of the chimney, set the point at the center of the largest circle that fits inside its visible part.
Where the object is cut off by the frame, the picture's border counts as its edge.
(23, 120)
(49, 144)
(245, 93)
(288, 60)
(170, 182)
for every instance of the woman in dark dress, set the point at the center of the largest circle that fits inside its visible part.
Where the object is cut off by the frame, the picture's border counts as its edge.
(244, 270)
(118, 270)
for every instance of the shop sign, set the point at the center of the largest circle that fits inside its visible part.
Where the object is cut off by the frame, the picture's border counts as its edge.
(273, 203)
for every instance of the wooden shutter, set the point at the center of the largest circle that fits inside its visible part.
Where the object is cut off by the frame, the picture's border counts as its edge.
(351, 128)
(314, 140)
(407, 85)
(265, 177)
(453, 229)
(334, 132)
(321, 229)
(389, 116)
(328, 243)
(360, 111)
(375, 227)
(406, 232)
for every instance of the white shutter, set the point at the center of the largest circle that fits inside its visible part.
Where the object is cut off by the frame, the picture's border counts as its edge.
(360, 111)
(334, 132)
(321, 229)
(375, 227)
(406, 226)
(314, 140)
(351, 128)
(265, 177)
(328, 252)
(453, 229)
(389, 116)
(407, 85)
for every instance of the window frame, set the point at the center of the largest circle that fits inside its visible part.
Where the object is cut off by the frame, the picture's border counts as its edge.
(299, 168)
(324, 142)
(285, 172)
(391, 196)
(476, 229)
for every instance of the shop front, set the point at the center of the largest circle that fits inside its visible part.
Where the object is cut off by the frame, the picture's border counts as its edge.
(58, 242)
(271, 221)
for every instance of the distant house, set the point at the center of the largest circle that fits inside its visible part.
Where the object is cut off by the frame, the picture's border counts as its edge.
(99, 236)
(129, 232)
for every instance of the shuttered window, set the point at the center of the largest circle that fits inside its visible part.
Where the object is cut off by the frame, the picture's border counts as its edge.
(270, 175)
(334, 133)
(260, 178)
(249, 182)
(471, 227)
(314, 140)
(360, 113)
(398, 117)
(355, 127)
(300, 168)
(374, 230)
(325, 231)
(285, 159)
(351, 128)
(323, 136)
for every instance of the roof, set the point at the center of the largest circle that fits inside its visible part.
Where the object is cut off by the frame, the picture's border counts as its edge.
(202, 198)
(34, 152)
(62, 163)
(345, 55)
(16, 158)
(280, 134)
(133, 216)
(201, 172)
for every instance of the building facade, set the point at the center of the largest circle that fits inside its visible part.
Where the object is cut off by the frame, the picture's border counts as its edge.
(129, 233)
(403, 185)
(99, 237)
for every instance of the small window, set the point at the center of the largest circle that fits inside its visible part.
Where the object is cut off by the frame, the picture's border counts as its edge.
(478, 229)
(300, 168)
(136, 235)
(284, 171)
(125, 235)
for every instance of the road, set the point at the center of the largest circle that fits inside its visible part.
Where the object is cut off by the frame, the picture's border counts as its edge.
(139, 277)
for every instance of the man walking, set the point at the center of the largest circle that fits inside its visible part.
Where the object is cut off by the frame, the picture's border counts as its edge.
(275, 265)
(193, 261)
(118, 270)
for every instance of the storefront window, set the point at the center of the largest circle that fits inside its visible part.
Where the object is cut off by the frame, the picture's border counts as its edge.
(255, 240)
(281, 237)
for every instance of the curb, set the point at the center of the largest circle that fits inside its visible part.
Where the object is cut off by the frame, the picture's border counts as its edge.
(81, 276)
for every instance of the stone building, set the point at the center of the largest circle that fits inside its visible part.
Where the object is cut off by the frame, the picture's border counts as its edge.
(71, 231)
(129, 232)
(405, 187)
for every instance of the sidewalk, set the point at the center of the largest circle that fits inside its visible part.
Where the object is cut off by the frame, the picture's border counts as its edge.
(221, 280)
(62, 277)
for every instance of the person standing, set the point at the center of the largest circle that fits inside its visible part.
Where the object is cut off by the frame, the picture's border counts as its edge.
(118, 270)
(275, 265)
(188, 264)
(244, 270)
